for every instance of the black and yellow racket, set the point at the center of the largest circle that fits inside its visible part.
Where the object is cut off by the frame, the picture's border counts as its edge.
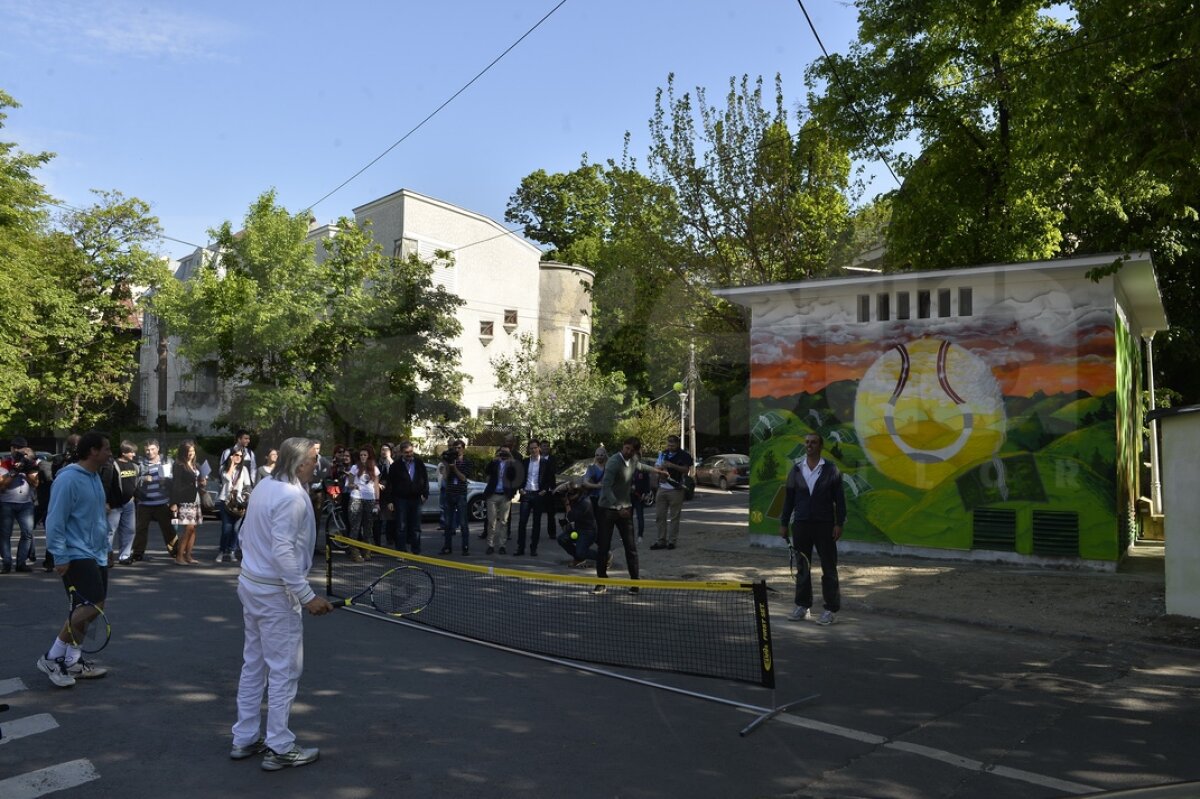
(402, 591)
(87, 625)
(797, 563)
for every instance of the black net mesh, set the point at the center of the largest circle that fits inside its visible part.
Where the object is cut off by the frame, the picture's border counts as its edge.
(707, 629)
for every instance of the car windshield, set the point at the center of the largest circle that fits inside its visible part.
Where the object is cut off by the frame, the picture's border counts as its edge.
(737, 460)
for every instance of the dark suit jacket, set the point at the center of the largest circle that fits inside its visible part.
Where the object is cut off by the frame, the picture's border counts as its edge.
(497, 484)
(399, 486)
(545, 474)
(827, 503)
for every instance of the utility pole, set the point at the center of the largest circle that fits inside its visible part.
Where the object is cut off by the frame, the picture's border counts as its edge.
(161, 370)
(693, 386)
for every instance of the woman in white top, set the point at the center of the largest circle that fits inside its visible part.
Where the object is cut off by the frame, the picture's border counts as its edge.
(268, 466)
(231, 501)
(364, 498)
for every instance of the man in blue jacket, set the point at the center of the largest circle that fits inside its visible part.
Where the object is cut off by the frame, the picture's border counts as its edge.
(816, 504)
(77, 537)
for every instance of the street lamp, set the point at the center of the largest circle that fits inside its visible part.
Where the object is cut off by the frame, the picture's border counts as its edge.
(683, 396)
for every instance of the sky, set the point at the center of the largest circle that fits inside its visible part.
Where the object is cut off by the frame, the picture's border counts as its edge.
(197, 108)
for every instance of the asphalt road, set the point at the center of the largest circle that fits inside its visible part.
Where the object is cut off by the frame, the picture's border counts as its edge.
(907, 708)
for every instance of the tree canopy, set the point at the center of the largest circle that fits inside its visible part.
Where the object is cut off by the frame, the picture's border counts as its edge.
(1037, 137)
(70, 288)
(312, 335)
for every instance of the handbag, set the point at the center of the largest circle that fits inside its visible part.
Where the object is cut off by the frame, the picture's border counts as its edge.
(235, 504)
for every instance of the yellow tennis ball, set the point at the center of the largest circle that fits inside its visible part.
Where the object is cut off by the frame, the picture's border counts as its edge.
(574, 535)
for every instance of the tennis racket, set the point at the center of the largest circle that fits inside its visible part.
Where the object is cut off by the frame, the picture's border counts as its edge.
(402, 591)
(87, 625)
(797, 563)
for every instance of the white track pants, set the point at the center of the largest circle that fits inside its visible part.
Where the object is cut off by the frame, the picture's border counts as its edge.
(272, 659)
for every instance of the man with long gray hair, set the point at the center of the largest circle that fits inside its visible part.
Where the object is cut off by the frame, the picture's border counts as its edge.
(278, 537)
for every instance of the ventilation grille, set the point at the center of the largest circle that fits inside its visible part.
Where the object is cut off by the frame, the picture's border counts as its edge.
(1055, 533)
(995, 529)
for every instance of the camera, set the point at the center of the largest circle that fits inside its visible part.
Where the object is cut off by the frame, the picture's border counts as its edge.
(450, 456)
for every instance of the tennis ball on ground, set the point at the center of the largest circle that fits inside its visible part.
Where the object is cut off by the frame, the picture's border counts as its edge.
(574, 535)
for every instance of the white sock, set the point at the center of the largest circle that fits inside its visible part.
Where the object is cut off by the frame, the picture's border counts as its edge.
(72, 656)
(58, 650)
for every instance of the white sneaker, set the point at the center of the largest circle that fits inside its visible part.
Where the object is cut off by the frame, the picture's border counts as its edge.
(799, 613)
(220, 557)
(827, 617)
(296, 756)
(86, 670)
(56, 670)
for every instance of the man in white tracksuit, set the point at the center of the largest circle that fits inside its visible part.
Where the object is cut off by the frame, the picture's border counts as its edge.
(277, 538)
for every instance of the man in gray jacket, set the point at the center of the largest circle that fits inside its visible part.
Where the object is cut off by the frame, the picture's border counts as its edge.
(616, 508)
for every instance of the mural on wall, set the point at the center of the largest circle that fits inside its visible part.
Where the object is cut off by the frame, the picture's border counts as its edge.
(992, 431)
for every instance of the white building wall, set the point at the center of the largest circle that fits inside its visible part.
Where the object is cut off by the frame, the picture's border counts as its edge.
(1181, 506)
(493, 271)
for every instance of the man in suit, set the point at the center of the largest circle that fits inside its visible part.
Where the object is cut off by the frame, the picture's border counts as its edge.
(407, 490)
(502, 483)
(816, 504)
(536, 488)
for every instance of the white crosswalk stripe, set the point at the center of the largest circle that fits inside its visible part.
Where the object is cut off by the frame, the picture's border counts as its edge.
(33, 784)
(48, 780)
(22, 727)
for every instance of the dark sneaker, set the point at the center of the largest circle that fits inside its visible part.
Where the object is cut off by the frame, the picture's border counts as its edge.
(490, 551)
(86, 670)
(658, 545)
(249, 750)
(503, 551)
(56, 670)
(296, 756)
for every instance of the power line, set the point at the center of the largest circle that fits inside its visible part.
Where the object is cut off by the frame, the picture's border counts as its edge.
(435, 111)
(838, 79)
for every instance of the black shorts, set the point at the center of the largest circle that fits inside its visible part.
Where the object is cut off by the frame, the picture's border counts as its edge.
(89, 579)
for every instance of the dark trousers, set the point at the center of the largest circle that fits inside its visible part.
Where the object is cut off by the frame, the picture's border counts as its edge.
(806, 535)
(146, 514)
(530, 504)
(408, 524)
(609, 519)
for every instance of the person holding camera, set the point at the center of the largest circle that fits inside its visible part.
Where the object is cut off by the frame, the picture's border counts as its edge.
(18, 488)
(458, 473)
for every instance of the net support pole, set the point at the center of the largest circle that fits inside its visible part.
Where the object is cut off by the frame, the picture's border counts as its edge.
(767, 661)
(773, 712)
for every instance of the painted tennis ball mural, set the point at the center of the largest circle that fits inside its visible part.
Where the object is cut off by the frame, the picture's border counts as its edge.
(926, 409)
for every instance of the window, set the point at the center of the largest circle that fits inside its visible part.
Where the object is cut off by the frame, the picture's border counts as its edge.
(206, 378)
(402, 248)
(922, 304)
(943, 302)
(883, 307)
(964, 301)
(486, 413)
(510, 319)
(577, 344)
(902, 305)
(864, 307)
(487, 329)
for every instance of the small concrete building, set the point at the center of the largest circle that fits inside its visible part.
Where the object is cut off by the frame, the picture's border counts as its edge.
(993, 411)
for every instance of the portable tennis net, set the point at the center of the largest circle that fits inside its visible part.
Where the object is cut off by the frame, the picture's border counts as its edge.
(710, 629)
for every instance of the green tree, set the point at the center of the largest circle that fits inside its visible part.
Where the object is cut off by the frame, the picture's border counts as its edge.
(652, 423)
(1036, 138)
(572, 402)
(292, 328)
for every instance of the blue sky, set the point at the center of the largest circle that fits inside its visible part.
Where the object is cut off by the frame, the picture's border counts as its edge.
(199, 107)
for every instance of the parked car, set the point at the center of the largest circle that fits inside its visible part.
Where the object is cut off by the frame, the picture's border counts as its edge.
(577, 469)
(724, 471)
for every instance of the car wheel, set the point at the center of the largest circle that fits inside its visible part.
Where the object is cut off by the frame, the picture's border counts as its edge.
(477, 509)
(723, 484)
